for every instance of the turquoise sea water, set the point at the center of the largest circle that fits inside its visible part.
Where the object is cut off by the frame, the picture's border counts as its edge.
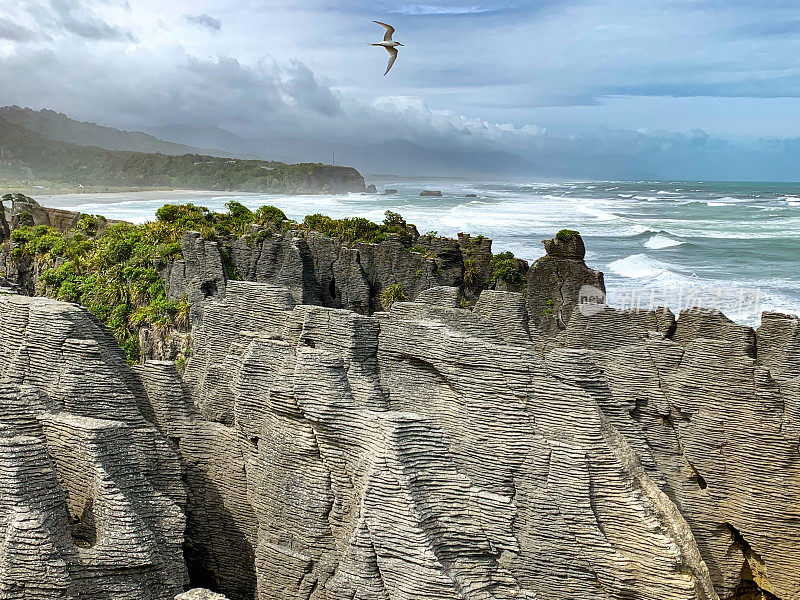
(735, 246)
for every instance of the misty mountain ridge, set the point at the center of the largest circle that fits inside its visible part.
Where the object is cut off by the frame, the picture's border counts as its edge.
(57, 126)
(211, 136)
(399, 157)
(620, 155)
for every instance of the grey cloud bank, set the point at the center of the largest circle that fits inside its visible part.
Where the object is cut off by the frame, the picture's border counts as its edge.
(565, 85)
(206, 21)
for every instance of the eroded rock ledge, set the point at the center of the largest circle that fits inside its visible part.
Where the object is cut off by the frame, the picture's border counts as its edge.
(426, 452)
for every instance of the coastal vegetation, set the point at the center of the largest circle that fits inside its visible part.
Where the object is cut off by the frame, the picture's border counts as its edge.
(357, 229)
(113, 269)
(108, 270)
(393, 293)
(566, 235)
(504, 266)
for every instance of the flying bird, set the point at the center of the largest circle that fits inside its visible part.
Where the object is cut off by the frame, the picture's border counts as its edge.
(389, 44)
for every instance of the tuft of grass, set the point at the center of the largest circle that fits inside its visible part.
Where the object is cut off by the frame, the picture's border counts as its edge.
(393, 293)
(470, 271)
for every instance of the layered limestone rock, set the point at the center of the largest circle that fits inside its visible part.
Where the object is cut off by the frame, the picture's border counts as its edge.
(90, 492)
(23, 210)
(434, 452)
(317, 269)
(316, 449)
(560, 280)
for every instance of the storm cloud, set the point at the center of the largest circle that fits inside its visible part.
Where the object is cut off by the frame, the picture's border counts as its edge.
(565, 80)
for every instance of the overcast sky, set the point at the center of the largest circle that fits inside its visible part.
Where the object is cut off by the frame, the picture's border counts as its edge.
(475, 73)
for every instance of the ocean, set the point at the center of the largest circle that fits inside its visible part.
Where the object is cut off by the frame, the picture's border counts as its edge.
(728, 245)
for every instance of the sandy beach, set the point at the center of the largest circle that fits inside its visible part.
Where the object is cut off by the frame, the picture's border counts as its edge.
(79, 199)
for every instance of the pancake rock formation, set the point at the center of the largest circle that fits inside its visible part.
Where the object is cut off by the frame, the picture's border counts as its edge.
(317, 448)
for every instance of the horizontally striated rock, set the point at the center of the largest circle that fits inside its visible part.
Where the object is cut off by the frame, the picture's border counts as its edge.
(201, 274)
(599, 327)
(221, 528)
(430, 451)
(695, 323)
(557, 281)
(91, 494)
(6, 287)
(424, 453)
(778, 342)
(506, 314)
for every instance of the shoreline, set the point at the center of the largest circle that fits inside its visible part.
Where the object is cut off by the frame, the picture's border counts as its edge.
(74, 199)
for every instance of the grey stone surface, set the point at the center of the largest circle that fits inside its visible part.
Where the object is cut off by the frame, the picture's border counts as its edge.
(555, 282)
(200, 594)
(91, 495)
(431, 450)
(314, 452)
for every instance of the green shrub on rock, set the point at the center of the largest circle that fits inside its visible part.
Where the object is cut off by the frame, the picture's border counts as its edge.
(393, 293)
(354, 229)
(504, 266)
(566, 235)
(269, 215)
(470, 271)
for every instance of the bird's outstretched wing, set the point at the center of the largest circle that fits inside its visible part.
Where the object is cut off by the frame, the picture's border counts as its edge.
(392, 58)
(387, 37)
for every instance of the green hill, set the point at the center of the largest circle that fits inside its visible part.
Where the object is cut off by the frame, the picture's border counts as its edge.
(57, 126)
(28, 159)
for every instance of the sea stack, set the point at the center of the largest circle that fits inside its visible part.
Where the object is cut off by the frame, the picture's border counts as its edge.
(557, 280)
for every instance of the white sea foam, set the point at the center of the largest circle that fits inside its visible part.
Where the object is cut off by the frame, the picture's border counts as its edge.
(661, 241)
(517, 217)
(598, 213)
(638, 266)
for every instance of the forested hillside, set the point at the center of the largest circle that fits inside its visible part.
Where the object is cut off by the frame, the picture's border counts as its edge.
(57, 126)
(28, 159)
